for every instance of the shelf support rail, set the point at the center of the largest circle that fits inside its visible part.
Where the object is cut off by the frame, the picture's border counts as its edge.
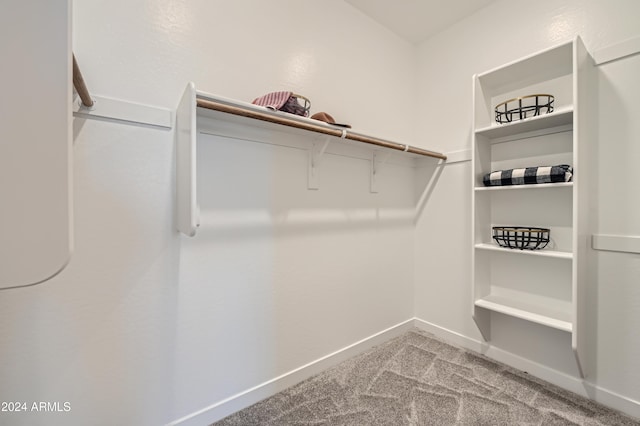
(80, 85)
(318, 128)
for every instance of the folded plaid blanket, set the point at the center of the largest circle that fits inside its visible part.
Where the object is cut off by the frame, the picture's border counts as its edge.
(529, 175)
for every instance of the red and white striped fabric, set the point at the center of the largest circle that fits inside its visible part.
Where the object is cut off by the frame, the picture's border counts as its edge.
(273, 100)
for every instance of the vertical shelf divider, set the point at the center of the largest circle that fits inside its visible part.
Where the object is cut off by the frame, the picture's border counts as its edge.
(583, 71)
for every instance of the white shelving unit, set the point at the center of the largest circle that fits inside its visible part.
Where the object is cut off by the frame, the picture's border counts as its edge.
(545, 286)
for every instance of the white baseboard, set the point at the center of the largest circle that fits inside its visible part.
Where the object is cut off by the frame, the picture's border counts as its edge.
(222, 409)
(565, 381)
(538, 370)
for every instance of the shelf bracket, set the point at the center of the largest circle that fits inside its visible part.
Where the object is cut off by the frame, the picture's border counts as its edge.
(378, 160)
(316, 152)
(186, 144)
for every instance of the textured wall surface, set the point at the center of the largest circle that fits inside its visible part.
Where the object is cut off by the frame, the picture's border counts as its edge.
(146, 326)
(501, 33)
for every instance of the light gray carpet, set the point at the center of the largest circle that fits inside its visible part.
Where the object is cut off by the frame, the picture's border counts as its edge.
(417, 379)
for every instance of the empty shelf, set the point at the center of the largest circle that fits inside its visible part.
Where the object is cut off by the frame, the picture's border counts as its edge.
(527, 311)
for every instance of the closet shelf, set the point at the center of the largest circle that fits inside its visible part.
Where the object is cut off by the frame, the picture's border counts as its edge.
(524, 187)
(559, 120)
(543, 253)
(202, 113)
(528, 311)
(264, 114)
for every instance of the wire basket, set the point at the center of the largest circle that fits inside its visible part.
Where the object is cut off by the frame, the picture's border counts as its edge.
(523, 107)
(522, 238)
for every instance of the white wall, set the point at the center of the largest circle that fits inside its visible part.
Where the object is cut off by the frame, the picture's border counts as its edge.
(615, 299)
(279, 276)
(100, 335)
(146, 326)
(500, 33)
(345, 63)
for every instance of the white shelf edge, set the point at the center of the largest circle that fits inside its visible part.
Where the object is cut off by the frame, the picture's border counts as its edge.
(525, 58)
(568, 109)
(524, 187)
(543, 253)
(513, 311)
(561, 116)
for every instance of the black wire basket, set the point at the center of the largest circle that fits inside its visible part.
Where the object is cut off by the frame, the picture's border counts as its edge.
(522, 238)
(523, 107)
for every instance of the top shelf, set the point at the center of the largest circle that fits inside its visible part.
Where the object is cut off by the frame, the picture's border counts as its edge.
(546, 65)
(198, 112)
(243, 109)
(551, 71)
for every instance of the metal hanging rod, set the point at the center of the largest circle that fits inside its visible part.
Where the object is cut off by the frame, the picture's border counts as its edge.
(342, 133)
(79, 84)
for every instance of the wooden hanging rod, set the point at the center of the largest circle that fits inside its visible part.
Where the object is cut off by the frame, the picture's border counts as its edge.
(318, 128)
(79, 84)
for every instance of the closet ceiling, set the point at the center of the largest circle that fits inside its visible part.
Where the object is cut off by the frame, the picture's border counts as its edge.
(417, 20)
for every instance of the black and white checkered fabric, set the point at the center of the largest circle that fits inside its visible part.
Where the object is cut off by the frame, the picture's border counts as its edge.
(529, 176)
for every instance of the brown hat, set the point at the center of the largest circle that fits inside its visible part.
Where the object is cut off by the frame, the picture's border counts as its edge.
(323, 116)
